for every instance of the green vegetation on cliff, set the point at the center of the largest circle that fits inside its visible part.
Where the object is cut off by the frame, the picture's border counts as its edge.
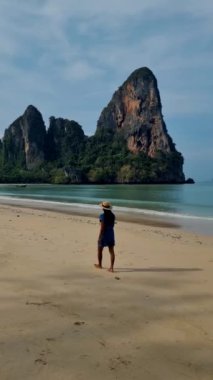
(102, 158)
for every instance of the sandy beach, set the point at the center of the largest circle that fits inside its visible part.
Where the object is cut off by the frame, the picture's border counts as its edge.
(63, 319)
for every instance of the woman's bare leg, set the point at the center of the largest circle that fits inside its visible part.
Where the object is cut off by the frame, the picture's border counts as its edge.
(112, 259)
(99, 265)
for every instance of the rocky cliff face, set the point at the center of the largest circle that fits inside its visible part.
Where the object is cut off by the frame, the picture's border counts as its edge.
(27, 144)
(135, 114)
(24, 140)
(135, 110)
(65, 140)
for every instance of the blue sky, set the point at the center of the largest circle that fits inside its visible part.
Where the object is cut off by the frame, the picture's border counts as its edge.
(67, 58)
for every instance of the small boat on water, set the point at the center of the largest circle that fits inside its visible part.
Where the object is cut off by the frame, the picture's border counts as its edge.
(21, 185)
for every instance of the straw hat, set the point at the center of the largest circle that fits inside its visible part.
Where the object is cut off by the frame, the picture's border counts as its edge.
(106, 205)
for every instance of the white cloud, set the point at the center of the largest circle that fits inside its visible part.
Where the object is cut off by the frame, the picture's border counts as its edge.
(120, 8)
(39, 32)
(80, 70)
(65, 8)
(188, 103)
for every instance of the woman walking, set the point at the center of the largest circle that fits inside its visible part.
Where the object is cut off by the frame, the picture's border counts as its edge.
(106, 235)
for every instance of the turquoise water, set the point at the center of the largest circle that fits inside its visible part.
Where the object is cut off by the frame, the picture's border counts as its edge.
(189, 201)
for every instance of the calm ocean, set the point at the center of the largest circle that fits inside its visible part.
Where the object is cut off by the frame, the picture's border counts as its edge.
(189, 203)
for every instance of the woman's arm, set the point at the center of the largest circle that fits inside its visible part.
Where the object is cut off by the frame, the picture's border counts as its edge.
(101, 230)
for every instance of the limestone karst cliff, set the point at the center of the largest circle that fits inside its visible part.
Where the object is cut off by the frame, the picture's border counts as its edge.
(135, 110)
(131, 143)
(65, 140)
(135, 113)
(24, 140)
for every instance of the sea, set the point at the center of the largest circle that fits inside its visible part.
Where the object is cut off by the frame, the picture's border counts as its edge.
(189, 205)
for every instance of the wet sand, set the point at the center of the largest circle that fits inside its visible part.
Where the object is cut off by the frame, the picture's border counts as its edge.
(61, 318)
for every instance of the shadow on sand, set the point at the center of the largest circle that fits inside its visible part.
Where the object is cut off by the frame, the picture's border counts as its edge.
(156, 269)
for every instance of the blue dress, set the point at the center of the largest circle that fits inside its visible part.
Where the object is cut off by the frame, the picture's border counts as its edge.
(108, 237)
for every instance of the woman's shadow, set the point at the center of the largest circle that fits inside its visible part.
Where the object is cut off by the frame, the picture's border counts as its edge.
(158, 269)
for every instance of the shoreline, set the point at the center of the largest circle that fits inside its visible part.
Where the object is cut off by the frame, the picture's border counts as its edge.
(194, 225)
(93, 212)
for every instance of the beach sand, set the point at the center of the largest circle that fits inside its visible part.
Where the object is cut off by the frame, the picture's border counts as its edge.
(63, 319)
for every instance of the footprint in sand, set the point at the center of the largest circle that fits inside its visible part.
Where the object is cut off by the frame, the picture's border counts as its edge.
(119, 361)
(79, 323)
(41, 361)
(42, 357)
(51, 339)
(102, 343)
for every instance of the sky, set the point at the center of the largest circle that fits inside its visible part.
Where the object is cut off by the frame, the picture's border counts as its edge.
(68, 57)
